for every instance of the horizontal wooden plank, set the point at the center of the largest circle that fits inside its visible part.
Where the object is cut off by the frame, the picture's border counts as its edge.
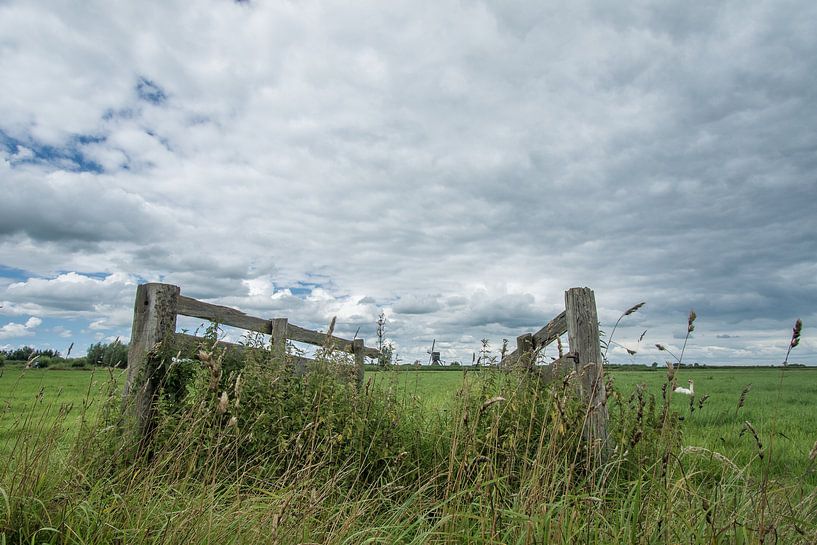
(303, 335)
(552, 331)
(187, 306)
(188, 346)
(549, 333)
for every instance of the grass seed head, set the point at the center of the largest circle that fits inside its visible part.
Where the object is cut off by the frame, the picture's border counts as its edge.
(691, 321)
(634, 308)
(490, 402)
(795, 333)
(742, 399)
(223, 401)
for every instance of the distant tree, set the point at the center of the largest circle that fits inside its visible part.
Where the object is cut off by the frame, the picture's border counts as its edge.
(20, 354)
(114, 354)
(95, 354)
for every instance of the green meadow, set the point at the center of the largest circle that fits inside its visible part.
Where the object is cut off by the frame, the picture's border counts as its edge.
(780, 404)
(415, 457)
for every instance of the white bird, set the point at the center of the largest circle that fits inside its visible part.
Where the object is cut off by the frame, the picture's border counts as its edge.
(688, 391)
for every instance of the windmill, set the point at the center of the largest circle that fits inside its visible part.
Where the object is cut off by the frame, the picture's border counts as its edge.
(433, 357)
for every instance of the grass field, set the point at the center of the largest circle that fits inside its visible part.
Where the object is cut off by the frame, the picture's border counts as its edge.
(31, 399)
(190, 493)
(781, 405)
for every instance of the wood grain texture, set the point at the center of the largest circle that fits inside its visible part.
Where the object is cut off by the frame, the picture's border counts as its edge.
(583, 336)
(524, 350)
(279, 328)
(154, 319)
(188, 306)
(300, 334)
(358, 351)
(549, 333)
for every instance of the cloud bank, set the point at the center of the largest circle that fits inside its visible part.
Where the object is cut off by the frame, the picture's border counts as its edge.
(456, 164)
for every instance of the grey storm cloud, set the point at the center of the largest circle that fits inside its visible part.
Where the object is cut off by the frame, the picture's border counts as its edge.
(457, 165)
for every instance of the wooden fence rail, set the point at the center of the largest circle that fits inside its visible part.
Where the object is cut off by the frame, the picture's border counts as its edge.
(154, 320)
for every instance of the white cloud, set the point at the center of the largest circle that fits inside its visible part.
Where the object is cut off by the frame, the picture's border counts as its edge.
(458, 164)
(15, 330)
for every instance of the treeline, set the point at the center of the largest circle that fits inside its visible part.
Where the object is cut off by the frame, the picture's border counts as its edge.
(113, 354)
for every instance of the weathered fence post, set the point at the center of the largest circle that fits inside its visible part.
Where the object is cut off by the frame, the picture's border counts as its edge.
(357, 350)
(524, 349)
(154, 318)
(583, 336)
(279, 337)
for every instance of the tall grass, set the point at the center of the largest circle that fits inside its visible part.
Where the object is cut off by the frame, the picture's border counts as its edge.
(248, 451)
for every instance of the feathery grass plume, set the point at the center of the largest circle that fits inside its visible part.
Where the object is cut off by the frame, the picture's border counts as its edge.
(223, 402)
(742, 399)
(795, 339)
(237, 391)
(627, 312)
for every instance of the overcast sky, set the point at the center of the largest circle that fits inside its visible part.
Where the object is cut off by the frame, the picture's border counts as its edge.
(456, 164)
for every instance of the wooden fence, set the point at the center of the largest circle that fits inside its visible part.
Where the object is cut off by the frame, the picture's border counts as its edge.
(580, 321)
(157, 306)
(154, 320)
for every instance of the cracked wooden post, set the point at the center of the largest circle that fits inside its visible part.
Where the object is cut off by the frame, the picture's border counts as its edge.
(357, 350)
(524, 350)
(583, 336)
(279, 337)
(154, 318)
